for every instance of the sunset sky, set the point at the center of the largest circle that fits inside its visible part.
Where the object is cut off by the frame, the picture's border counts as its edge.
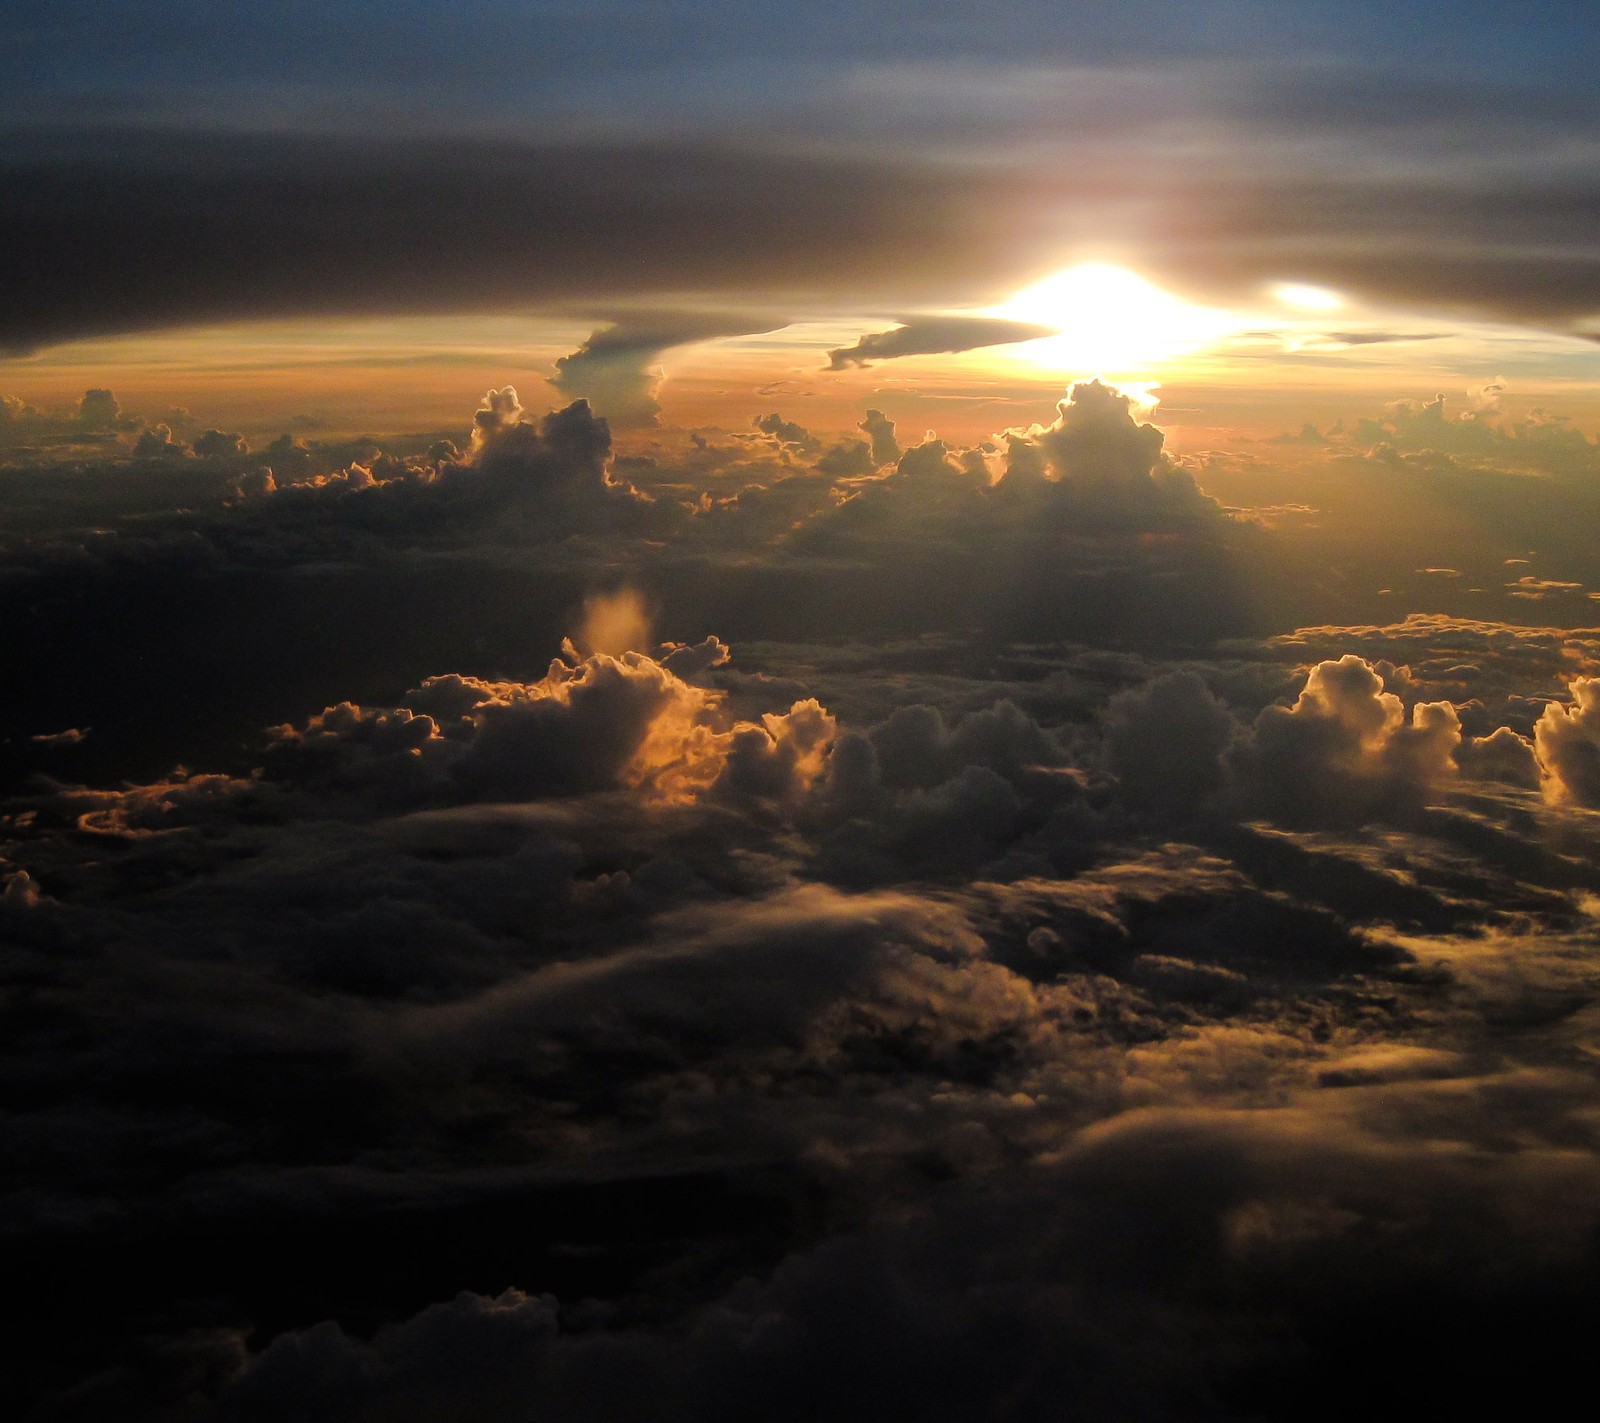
(799, 712)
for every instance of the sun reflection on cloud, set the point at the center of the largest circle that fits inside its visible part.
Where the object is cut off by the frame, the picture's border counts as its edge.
(1307, 298)
(1112, 321)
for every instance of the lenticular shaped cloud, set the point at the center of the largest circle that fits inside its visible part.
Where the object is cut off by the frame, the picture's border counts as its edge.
(935, 335)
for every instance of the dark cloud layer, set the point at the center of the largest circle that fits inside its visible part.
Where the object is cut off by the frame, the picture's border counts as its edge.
(296, 225)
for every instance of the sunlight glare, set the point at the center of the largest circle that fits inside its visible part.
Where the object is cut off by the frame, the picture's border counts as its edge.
(1112, 321)
(1307, 298)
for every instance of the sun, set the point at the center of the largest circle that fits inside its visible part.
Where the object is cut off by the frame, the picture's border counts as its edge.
(1111, 321)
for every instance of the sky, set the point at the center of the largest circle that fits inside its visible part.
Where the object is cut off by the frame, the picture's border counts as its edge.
(804, 711)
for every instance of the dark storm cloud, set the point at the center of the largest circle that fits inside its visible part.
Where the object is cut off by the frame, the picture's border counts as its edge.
(296, 225)
(1403, 247)
(935, 335)
(301, 226)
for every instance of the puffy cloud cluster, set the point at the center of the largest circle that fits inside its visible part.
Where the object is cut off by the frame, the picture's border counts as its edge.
(1567, 742)
(580, 983)
(1539, 440)
(605, 722)
(1095, 440)
(157, 443)
(99, 410)
(1346, 750)
(95, 422)
(787, 433)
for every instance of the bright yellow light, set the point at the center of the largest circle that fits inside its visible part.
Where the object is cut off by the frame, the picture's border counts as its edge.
(1112, 321)
(1307, 298)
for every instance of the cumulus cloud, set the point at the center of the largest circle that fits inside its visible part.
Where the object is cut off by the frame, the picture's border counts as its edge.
(157, 443)
(1095, 438)
(1566, 740)
(1347, 747)
(880, 430)
(1345, 751)
(787, 433)
(218, 444)
(15, 411)
(99, 410)
(1166, 741)
(615, 370)
(1502, 755)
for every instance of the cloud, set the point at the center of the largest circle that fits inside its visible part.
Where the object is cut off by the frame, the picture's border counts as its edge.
(1346, 751)
(99, 410)
(1166, 741)
(1502, 755)
(615, 623)
(935, 335)
(15, 411)
(1380, 338)
(292, 226)
(493, 1026)
(70, 737)
(218, 444)
(597, 934)
(1346, 748)
(157, 443)
(1096, 441)
(787, 433)
(1321, 1237)
(513, 222)
(880, 430)
(615, 369)
(1566, 739)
